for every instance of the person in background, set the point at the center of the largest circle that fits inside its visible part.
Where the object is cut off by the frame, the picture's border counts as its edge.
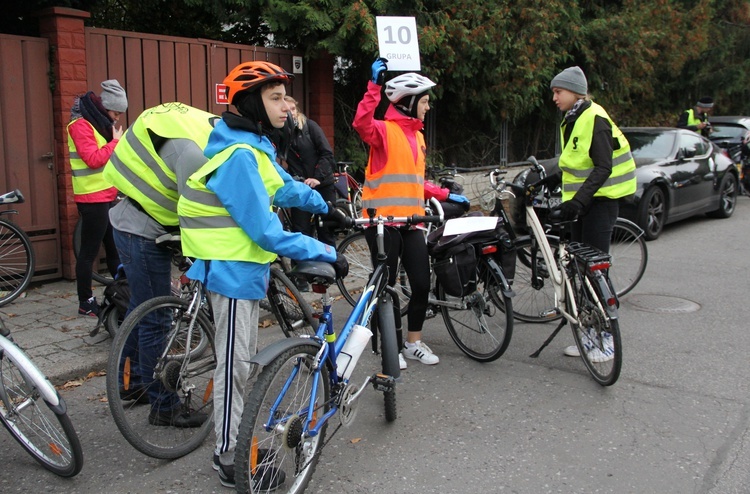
(395, 186)
(597, 170)
(228, 226)
(310, 157)
(696, 119)
(92, 136)
(150, 167)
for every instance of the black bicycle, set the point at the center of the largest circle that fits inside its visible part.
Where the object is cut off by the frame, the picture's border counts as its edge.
(17, 260)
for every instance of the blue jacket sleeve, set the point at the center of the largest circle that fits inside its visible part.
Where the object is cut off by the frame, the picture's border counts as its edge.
(238, 185)
(298, 195)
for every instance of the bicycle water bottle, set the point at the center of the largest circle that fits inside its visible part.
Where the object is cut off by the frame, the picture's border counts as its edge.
(352, 349)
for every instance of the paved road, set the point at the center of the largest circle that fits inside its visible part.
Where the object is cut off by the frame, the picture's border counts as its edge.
(677, 421)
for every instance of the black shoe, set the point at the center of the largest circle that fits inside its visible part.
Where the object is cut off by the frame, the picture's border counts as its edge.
(88, 307)
(262, 455)
(137, 394)
(267, 478)
(226, 475)
(177, 418)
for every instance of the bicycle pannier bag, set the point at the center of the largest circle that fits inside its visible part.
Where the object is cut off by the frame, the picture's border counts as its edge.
(456, 270)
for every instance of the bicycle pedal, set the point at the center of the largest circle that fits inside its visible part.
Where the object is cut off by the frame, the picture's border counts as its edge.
(383, 382)
(549, 313)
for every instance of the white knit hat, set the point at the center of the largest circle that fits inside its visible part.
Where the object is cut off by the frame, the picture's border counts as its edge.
(113, 96)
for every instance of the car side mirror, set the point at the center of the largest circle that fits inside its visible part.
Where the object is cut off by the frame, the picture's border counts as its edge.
(686, 153)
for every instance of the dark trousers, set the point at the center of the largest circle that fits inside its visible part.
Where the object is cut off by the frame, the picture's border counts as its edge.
(410, 246)
(595, 226)
(301, 219)
(95, 230)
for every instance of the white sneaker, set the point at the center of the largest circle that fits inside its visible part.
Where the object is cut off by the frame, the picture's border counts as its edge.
(420, 351)
(401, 362)
(593, 353)
(572, 351)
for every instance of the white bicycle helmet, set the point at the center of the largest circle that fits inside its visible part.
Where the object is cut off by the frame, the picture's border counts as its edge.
(409, 84)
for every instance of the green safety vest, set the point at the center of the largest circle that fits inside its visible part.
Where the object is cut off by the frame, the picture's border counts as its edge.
(207, 230)
(137, 170)
(86, 180)
(692, 120)
(576, 164)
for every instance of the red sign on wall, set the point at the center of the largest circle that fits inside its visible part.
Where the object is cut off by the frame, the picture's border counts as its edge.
(221, 94)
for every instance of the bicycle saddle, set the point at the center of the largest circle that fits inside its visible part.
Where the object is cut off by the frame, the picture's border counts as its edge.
(314, 272)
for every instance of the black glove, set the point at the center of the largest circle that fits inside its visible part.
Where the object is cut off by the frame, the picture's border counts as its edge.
(569, 210)
(341, 265)
(550, 181)
(379, 66)
(334, 215)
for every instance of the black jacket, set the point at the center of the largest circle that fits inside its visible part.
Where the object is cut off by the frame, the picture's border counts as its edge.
(310, 154)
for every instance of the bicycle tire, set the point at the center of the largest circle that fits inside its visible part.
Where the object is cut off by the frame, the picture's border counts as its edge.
(596, 326)
(354, 247)
(102, 278)
(188, 375)
(288, 380)
(629, 256)
(44, 431)
(292, 312)
(483, 329)
(388, 353)
(17, 261)
(533, 302)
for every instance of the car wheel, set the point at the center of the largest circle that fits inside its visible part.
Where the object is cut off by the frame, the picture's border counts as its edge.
(727, 197)
(652, 212)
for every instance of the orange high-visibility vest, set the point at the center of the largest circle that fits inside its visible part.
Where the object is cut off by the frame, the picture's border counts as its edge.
(397, 189)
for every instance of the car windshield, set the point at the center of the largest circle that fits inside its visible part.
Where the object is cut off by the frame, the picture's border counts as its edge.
(727, 132)
(650, 145)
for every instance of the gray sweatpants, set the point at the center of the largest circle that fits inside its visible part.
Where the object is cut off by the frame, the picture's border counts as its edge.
(236, 343)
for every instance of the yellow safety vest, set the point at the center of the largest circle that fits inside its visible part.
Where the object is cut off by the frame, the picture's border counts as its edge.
(397, 189)
(208, 231)
(86, 180)
(137, 170)
(692, 120)
(576, 164)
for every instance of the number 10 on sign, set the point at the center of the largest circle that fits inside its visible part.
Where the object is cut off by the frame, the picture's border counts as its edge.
(397, 41)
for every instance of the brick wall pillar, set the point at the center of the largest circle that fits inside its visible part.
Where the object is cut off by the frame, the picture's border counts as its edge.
(67, 41)
(320, 94)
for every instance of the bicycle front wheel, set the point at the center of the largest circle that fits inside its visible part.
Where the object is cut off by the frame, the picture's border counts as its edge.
(388, 353)
(17, 262)
(289, 307)
(598, 334)
(44, 431)
(629, 256)
(181, 380)
(354, 247)
(481, 323)
(534, 299)
(275, 450)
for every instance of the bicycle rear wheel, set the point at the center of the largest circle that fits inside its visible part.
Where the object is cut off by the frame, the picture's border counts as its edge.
(274, 451)
(354, 247)
(289, 307)
(629, 256)
(483, 325)
(46, 432)
(534, 299)
(17, 262)
(182, 377)
(598, 334)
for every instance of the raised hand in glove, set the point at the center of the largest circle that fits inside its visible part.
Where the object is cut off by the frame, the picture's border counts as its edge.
(569, 210)
(340, 265)
(379, 66)
(459, 199)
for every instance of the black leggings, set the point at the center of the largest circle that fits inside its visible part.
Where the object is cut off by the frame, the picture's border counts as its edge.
(95, 230)
(595, 227)
(301, 219)
(411, 247)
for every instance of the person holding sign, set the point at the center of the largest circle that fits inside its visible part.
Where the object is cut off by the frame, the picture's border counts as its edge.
(395, 186)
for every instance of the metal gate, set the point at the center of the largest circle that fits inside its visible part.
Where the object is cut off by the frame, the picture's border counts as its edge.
(27, 144)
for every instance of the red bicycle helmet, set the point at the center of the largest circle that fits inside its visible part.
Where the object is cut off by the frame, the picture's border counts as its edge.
(250, 75)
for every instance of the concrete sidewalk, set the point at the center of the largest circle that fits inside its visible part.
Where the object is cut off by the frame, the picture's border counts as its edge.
(45, 323)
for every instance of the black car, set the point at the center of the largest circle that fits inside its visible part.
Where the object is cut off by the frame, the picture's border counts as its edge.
(679, 174)
(733, 134)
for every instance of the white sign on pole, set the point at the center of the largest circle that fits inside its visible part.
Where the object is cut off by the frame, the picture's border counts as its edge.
(397, 41)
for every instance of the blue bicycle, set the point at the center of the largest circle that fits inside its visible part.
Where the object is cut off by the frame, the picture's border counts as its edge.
(305, 380)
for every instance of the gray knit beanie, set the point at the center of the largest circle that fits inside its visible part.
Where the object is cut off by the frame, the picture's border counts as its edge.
(113, 96)
(572, 79)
